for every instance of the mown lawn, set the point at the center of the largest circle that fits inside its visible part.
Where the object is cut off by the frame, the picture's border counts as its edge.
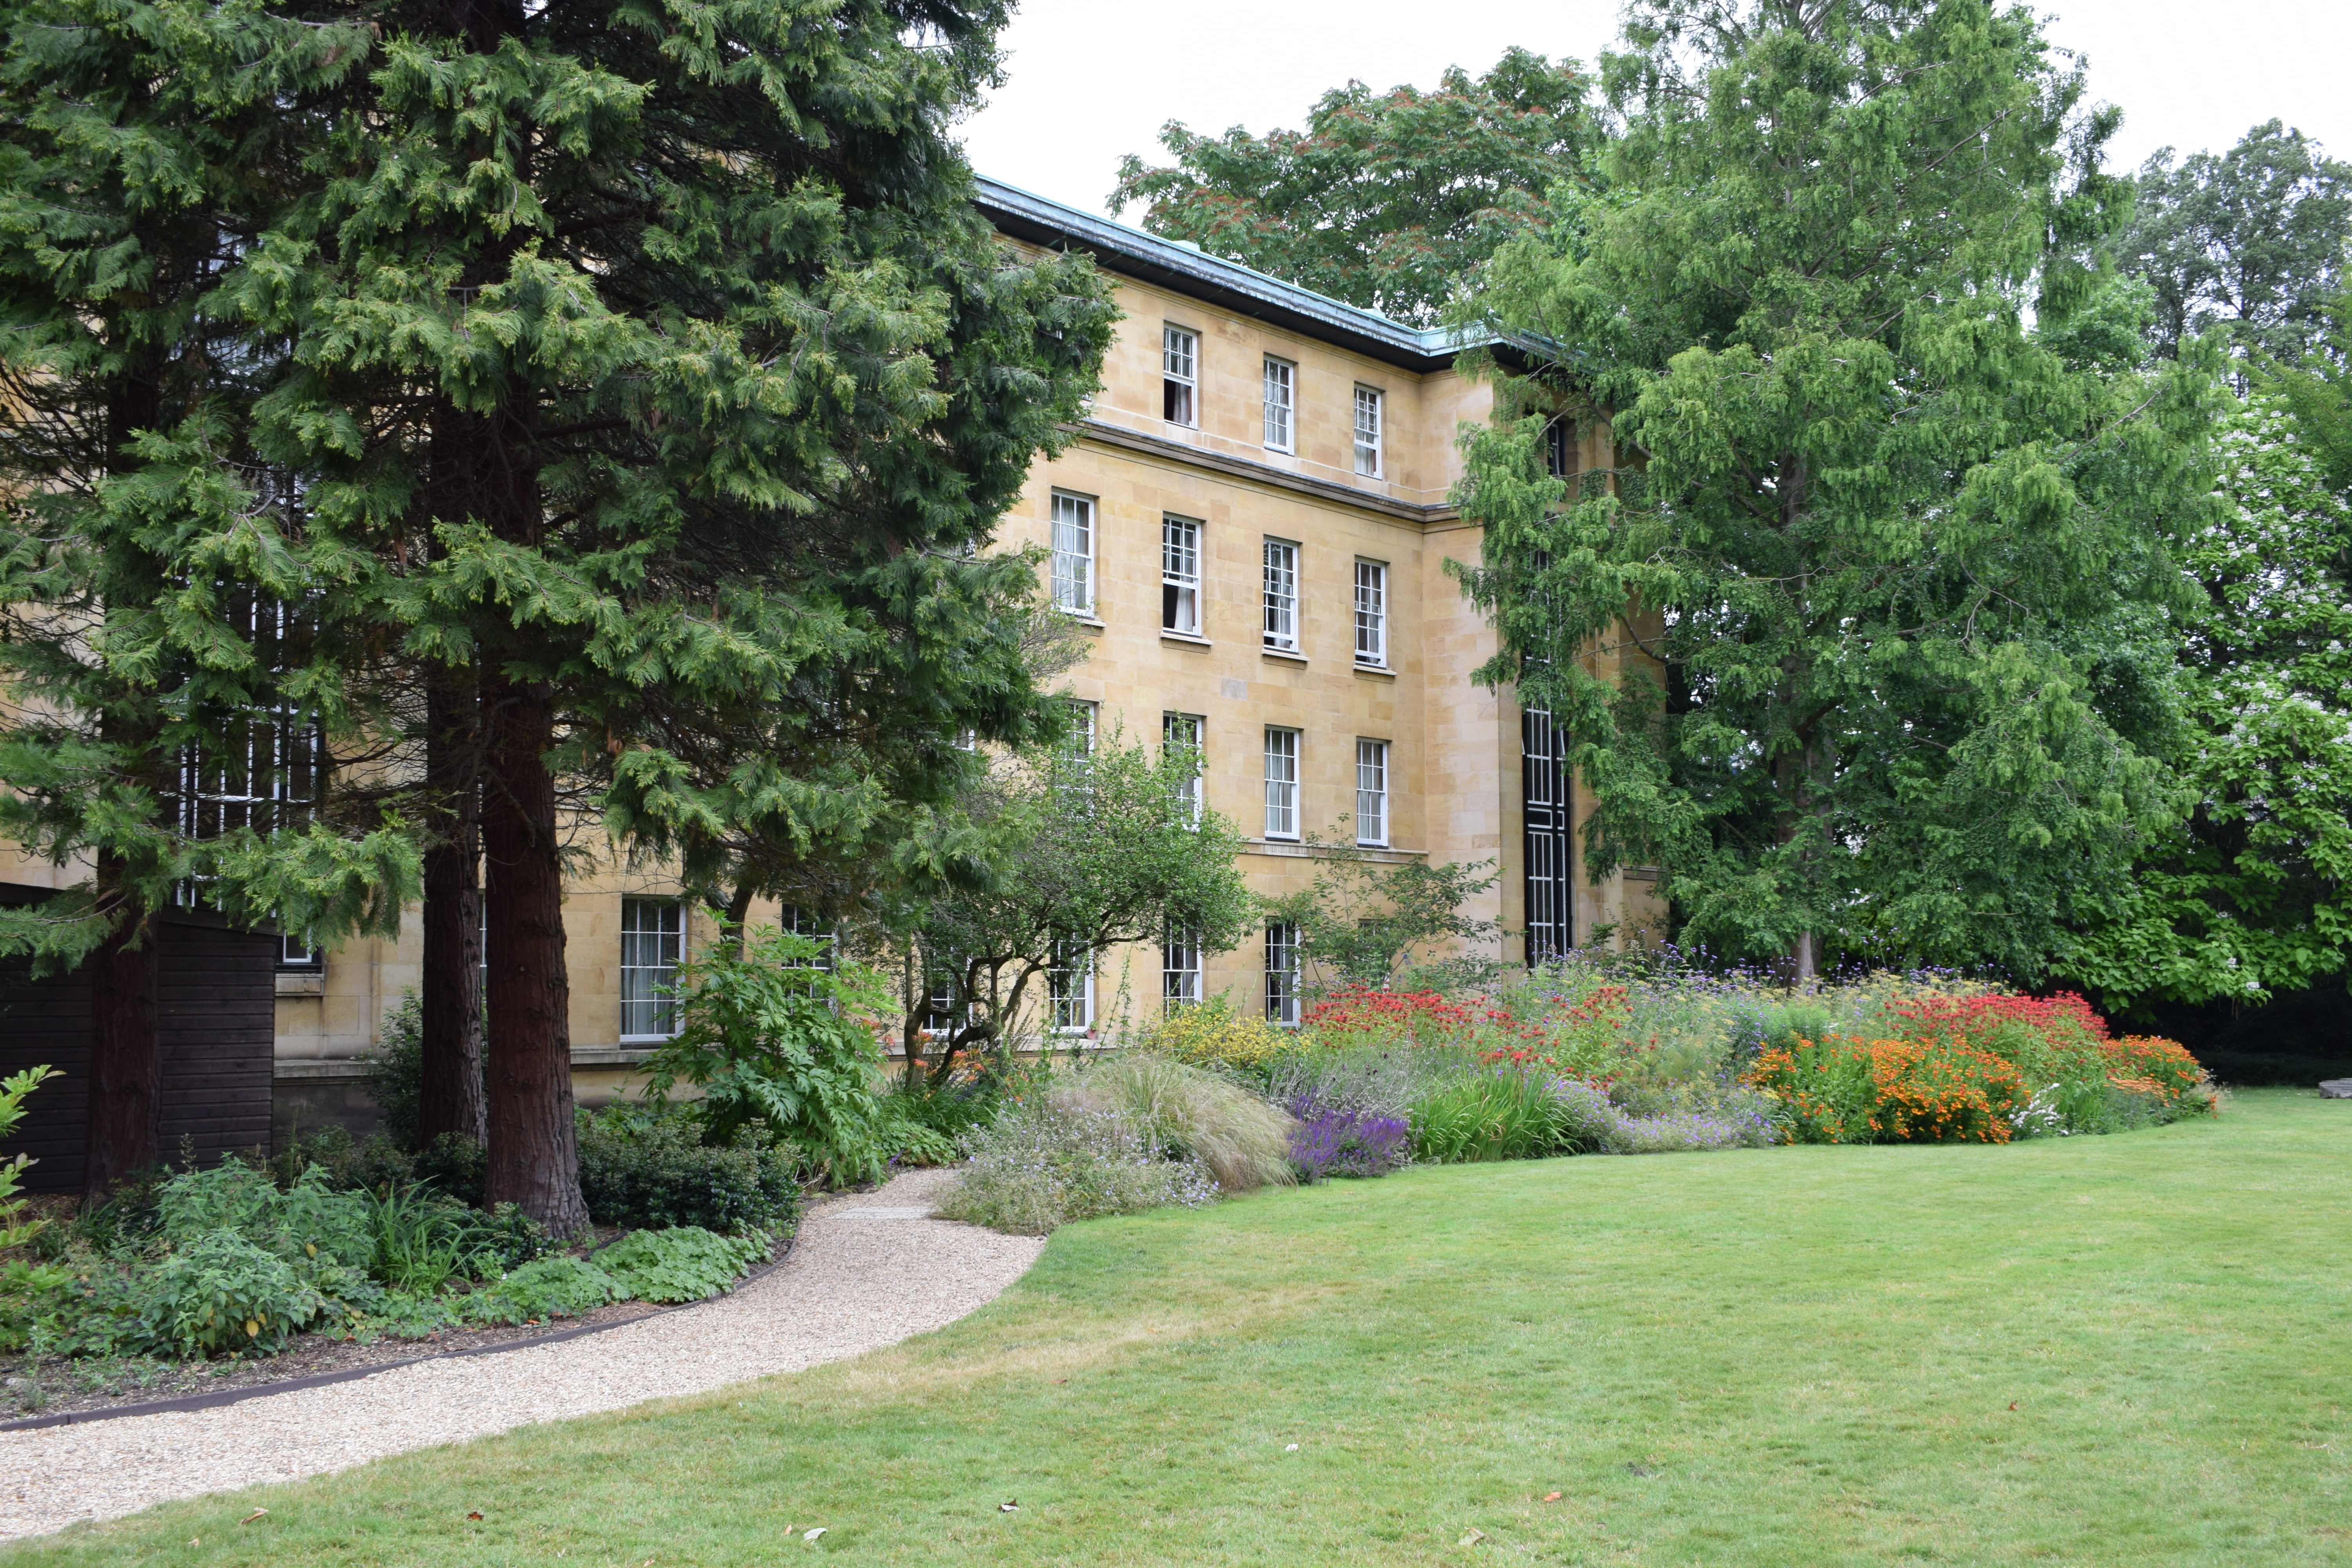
(2123, 1350)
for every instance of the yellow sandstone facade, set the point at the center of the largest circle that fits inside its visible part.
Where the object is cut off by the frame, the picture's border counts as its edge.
(1251, 528)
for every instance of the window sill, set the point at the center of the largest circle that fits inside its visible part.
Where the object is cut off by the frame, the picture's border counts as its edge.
(1189, 639)
(1077, 619)
(1376, 671)
(301, 983)
(644, 1042)
(1285, 655)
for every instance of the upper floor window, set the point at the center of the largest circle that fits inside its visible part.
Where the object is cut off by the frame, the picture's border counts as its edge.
(1372, 792)
(1282, 595)
(1371, 612)
(1074, 553)
(1281, 396)
(1179, 576)
(1180, 735)
(1181, 377)
(1281, 784)
(653, 940)
(1367, 432)
(1557, 456)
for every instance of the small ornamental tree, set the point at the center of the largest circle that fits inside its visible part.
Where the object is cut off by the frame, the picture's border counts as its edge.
(1872, 529)
(1085, 852)
(1384, 200)
(1361, 922)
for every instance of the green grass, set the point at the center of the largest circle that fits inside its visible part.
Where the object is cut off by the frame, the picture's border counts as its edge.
(2125, 1350)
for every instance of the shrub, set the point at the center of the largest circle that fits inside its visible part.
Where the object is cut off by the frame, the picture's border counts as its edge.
(775, 1040)
(217, 1293)
(26, 1288)
(686, 1264)
(652, 1172)
(552, 1288)
(1186, 1113)
(1042, 1166)
(1214, 1035)
(395, 1077)
(309, 1223)
(348, 1163)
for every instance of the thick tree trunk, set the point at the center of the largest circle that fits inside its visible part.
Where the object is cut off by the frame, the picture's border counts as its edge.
(452, 1096)
(534, 1159)
(124, 1131)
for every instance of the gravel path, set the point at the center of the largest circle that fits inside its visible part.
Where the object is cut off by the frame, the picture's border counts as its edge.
(869, 1270)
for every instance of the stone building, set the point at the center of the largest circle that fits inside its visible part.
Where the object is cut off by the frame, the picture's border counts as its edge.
(1251, 526)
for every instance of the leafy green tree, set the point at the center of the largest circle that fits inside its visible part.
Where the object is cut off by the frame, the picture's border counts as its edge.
(1386, 199)
(1362, 922)
(153, 650)
(2251, 241)
(1851, 580)
(2252, 893)
(1085, 851)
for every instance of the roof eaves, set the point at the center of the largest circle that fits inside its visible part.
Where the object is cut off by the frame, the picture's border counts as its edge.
(1026, 215)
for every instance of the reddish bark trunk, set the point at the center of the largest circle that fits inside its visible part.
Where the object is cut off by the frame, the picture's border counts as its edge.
(533, 1146)
(452, 1096)
(124, 1132)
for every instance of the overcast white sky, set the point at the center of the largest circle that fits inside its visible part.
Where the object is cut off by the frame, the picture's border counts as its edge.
(1090, 81)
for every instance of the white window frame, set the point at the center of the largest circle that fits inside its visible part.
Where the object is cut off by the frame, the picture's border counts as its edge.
(1369, 429)
(1086, 724)
(663, 942)
(1070, 993)
(1282, 968)
(939, 1002)
(1187, 731)
(1284, 750)
(1373, 613)
(1179, 575)
(1179, 375)
(1179, 968)
(1371, 792)
(1072, 522)
(1281, 595)
(1281, 404)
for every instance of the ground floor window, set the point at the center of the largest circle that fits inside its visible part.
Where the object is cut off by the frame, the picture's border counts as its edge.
(1179, 968)
(1549, 858)
(653, 941)
(1070, 992)
(1281, 973)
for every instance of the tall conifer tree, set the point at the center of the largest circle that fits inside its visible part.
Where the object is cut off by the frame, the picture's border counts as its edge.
(1875, 532)
(649, 371)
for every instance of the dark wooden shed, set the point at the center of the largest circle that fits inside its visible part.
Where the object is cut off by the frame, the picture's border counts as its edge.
(218, 1011)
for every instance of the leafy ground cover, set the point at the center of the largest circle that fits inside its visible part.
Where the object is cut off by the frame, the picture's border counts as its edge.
(2085, 1349)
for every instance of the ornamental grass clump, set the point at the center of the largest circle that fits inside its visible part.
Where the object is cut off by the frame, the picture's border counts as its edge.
(1043, 1164)
(1188, 1114)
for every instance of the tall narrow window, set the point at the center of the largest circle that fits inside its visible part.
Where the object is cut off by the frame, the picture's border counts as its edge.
(1558, 456)
(1180, 736)
(1179, 576)
(1371, 612)
(1367, 432)
(1281, 784)
(1372, 792)
(1281, 973)
(1084, 717)
(1179, 967)
(1181, 377)
(1281, 395)
(1070, 989)
(1282, 595)
(1074, 553)
(653, 940)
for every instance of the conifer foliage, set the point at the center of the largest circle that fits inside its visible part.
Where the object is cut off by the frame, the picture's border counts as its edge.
(646, 378)
(1874, 528)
